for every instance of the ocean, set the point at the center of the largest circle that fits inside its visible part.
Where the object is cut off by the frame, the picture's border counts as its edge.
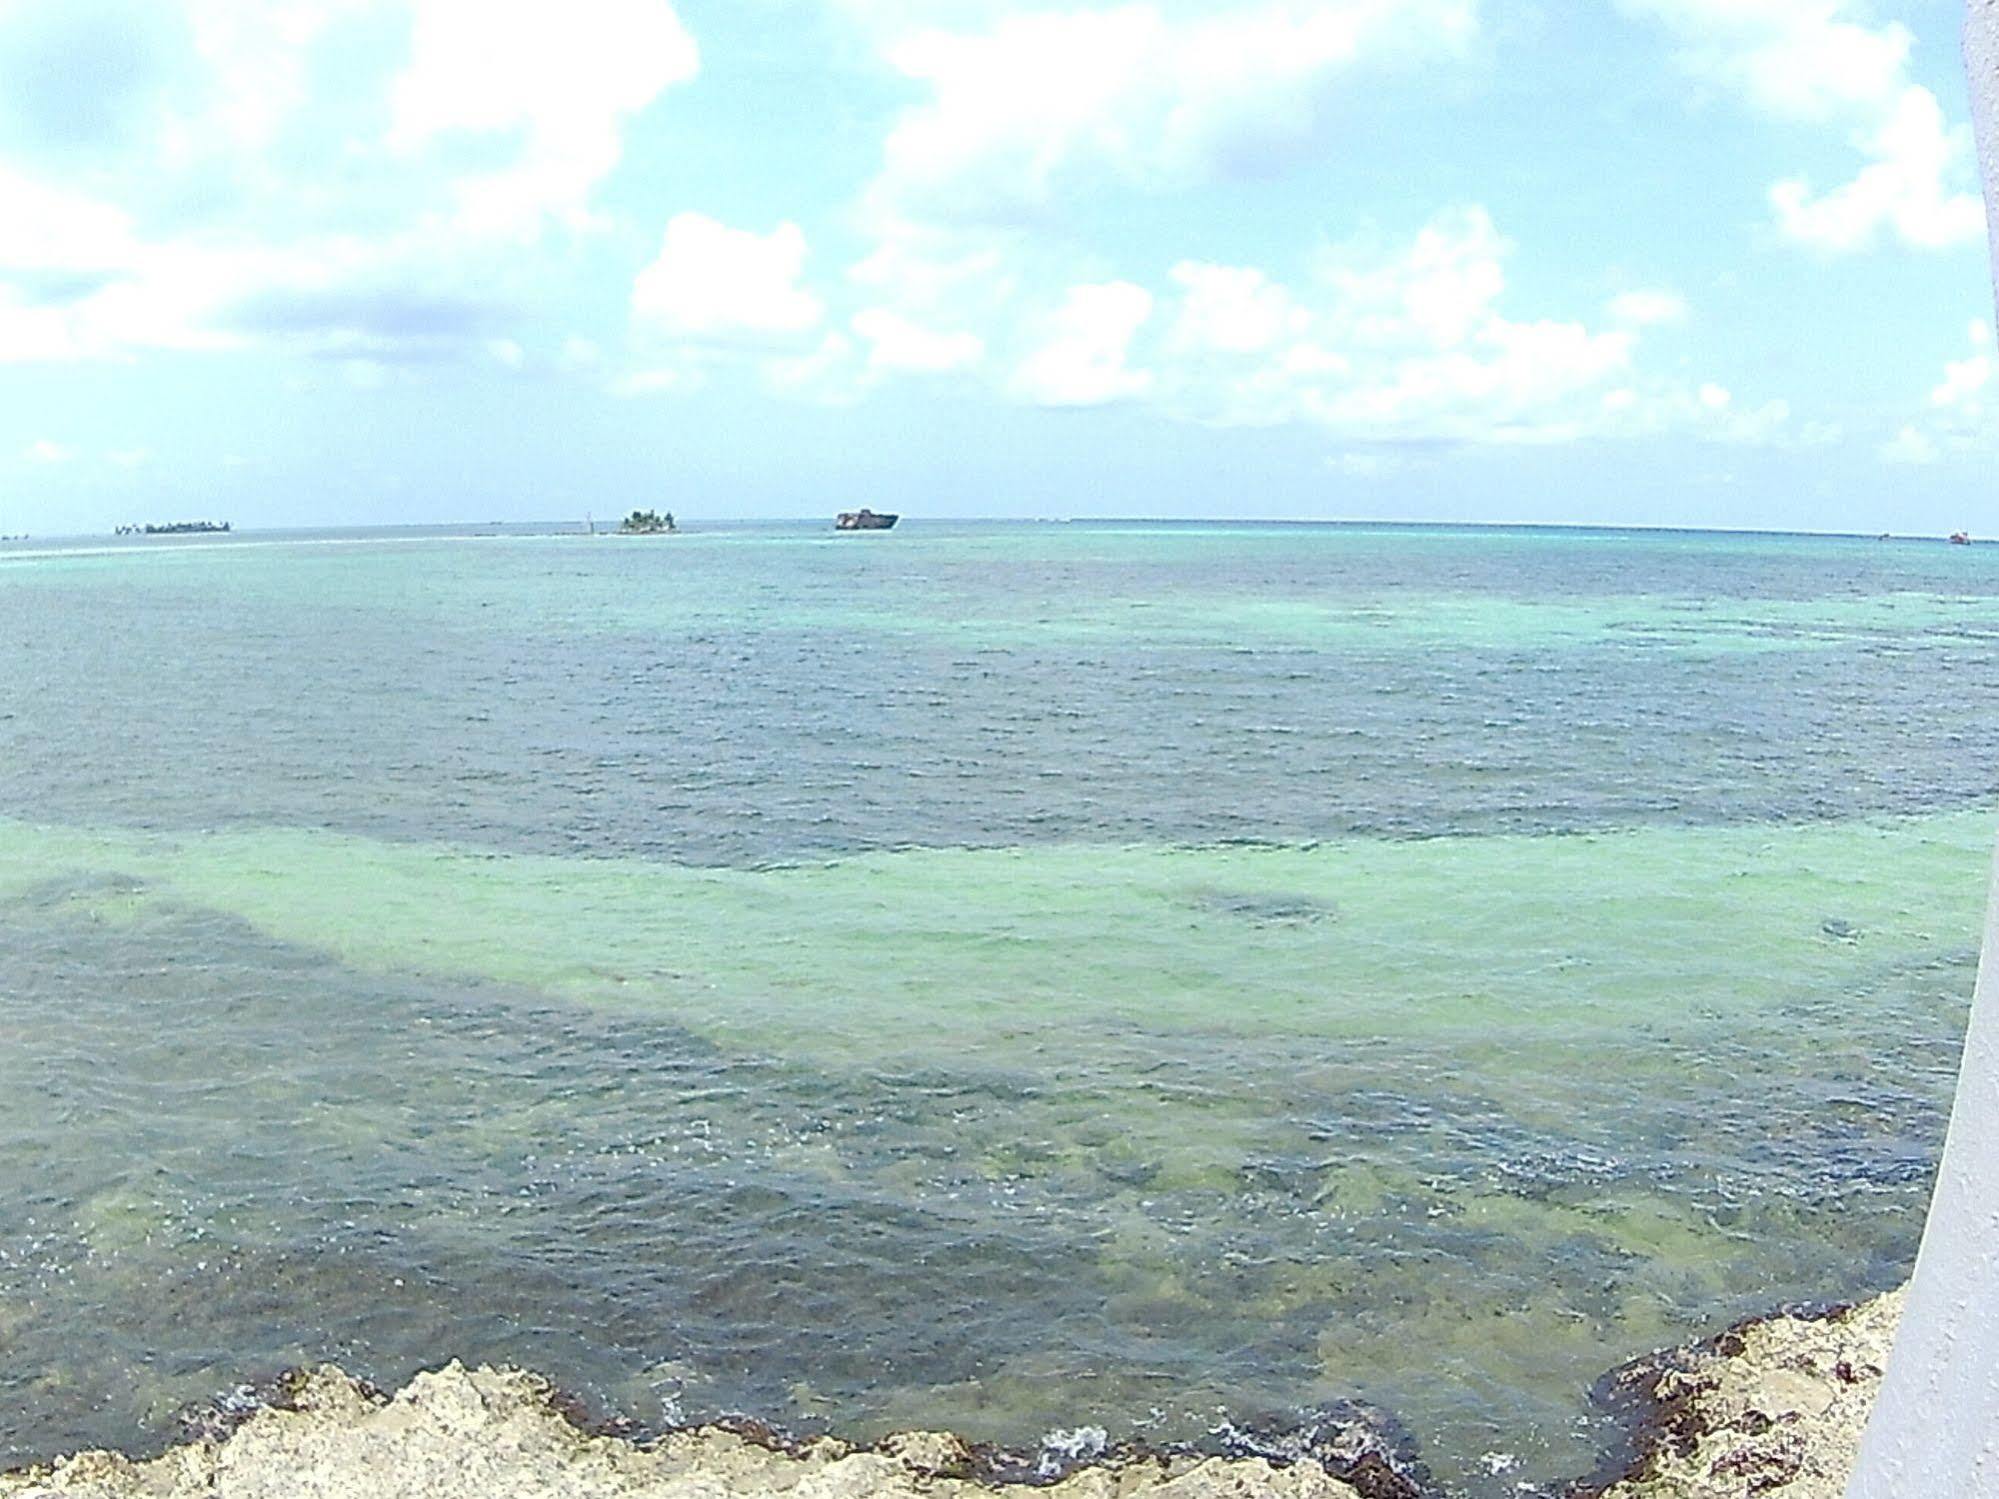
(1021, 978)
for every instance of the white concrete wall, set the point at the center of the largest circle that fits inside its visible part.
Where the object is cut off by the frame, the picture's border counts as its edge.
(1935, 1431)
(1981, 61)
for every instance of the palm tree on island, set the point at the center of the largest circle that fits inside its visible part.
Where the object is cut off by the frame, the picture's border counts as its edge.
(647, 523)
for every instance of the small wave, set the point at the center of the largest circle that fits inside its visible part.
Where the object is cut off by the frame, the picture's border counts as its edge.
(1063, 1451)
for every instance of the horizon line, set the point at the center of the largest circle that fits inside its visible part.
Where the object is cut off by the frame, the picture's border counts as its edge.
(1641, 528)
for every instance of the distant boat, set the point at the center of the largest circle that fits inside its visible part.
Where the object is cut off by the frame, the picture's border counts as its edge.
(863, 520)
(1960, 538)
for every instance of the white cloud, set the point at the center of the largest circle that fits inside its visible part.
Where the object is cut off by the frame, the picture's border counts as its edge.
(1367, 465)
(1233, 310)
(1962, 389)
(937, 298)
(1796, 59)
(932, 266)
(1389, 345)
(33, 335)
(75, 278)
(899, 343)
(1819, 62)
(1959, 414)
(564, 78)
(1648, 308)
(1040, 100)
(1414, 344)
(1910, 446)
(47, 228)
(45, 451)
(1759, 425)
(1710, 412)
(375, 207)
(710, 282)
(717, 296)
(1082, 359)
(1437, 292)
(1902, 190)
(1510, 382)
(823, 374)
(258, 57)
(664, 379)
(130, 296)
(296, 178)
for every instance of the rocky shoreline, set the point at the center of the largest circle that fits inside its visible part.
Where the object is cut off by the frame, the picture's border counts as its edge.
(1774, 1406)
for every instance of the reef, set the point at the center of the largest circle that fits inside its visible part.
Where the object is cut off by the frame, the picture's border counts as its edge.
(1774, 1406)
(461, 1433)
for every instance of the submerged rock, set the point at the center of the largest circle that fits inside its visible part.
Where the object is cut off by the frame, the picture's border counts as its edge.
(464, 1433)
(1266, 908)
(1775, 1406)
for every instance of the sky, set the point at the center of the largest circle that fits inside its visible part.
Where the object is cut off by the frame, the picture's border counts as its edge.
(1629, 262)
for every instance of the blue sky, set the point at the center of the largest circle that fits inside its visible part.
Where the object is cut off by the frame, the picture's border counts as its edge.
(1674, 262)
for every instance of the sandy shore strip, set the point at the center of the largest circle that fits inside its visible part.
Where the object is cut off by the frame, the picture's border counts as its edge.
(1774, 1406)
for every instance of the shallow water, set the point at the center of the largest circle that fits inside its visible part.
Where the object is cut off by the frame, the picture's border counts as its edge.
(1001, 977)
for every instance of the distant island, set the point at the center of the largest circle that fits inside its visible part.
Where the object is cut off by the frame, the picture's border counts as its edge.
(175, 528)
(647, 523)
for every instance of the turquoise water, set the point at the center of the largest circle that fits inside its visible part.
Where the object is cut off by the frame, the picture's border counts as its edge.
(1006, 977)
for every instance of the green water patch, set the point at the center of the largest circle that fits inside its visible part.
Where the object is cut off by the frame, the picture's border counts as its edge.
(1006, 1139)
(1505, 939)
